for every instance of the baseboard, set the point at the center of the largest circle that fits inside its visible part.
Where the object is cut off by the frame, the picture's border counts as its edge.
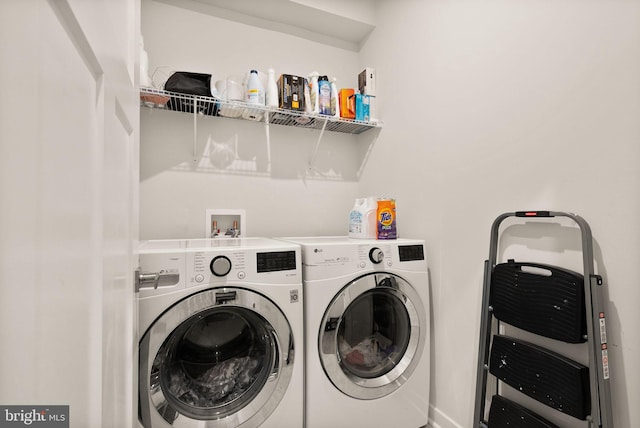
(438, 419)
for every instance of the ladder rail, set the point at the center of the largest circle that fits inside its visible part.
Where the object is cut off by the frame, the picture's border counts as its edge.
(601, 412)
(486, 326)
(483, 352)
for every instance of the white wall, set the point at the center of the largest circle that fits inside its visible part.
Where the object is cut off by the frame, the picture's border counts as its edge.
(498, 106)
(280, 196)
(488, 107)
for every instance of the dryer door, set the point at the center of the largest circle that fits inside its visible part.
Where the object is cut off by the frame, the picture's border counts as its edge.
(219, 358)
(372, 335)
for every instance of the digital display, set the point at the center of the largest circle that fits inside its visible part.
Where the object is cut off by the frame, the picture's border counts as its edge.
(276, 261)
(411, 252)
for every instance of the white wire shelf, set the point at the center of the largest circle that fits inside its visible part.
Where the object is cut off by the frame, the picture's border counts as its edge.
(208, 106)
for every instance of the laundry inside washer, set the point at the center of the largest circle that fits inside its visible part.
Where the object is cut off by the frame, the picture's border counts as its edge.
(217, 359)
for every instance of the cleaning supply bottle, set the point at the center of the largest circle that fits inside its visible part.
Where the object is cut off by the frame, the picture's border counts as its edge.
(255, 89)
(335, 109)
(272, 89)
(313, 91)
(324, 95)
(362, 218)
(308, 108)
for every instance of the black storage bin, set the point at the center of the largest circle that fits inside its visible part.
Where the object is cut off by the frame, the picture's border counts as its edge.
(184, 104)
(197, 90)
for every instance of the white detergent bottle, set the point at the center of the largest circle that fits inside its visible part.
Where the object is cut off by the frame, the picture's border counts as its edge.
(314, 92)
(272, 89)
(371, 217)
(255, 89)
(362, 218)
(335, 108)
(145, 80)
(307, 98)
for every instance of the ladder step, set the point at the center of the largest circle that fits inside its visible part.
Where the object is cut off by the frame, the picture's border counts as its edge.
(543, 375)
(542, 299)
(505, 413)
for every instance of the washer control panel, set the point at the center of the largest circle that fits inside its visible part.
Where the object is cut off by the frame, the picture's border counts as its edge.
(210, 267)
(175, 265)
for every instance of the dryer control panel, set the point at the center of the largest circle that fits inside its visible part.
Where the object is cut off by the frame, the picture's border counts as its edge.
(409, 253)
(329, 257)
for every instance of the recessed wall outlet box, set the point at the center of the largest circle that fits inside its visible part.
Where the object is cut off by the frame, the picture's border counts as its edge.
(225, 223)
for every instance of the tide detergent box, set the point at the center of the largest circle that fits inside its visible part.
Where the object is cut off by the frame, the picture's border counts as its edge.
(386, 219)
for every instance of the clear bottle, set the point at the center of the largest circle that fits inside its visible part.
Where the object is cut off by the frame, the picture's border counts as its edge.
(255, 89)
(272, 89)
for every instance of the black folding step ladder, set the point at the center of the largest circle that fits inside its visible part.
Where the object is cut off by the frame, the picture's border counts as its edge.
(555, 303)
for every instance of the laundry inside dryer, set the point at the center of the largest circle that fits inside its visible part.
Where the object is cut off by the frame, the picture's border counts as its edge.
(374, 334)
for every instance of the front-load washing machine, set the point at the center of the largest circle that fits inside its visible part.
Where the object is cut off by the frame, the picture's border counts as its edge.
(221, 334)
(366, 332)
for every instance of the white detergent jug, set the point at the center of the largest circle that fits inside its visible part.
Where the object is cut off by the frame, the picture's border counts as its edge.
(362, 218)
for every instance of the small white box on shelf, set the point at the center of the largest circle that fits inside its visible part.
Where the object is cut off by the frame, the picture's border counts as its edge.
(367, 86)
(367, 81)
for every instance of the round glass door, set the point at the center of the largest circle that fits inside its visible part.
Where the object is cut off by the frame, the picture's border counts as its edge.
(215, 363)
(223, 361)
(372, 335)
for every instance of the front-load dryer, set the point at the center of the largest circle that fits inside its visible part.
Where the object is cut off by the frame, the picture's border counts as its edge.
(221, 334)
(366, 332)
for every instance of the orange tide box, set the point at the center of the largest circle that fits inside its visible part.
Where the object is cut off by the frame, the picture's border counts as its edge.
(386, 219)
(347, 106)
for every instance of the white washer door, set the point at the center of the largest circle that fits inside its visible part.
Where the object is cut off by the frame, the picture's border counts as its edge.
(372, 335)
(219, 358)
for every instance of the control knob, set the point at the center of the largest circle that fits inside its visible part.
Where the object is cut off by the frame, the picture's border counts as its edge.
(220, 265)
(376, 255)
